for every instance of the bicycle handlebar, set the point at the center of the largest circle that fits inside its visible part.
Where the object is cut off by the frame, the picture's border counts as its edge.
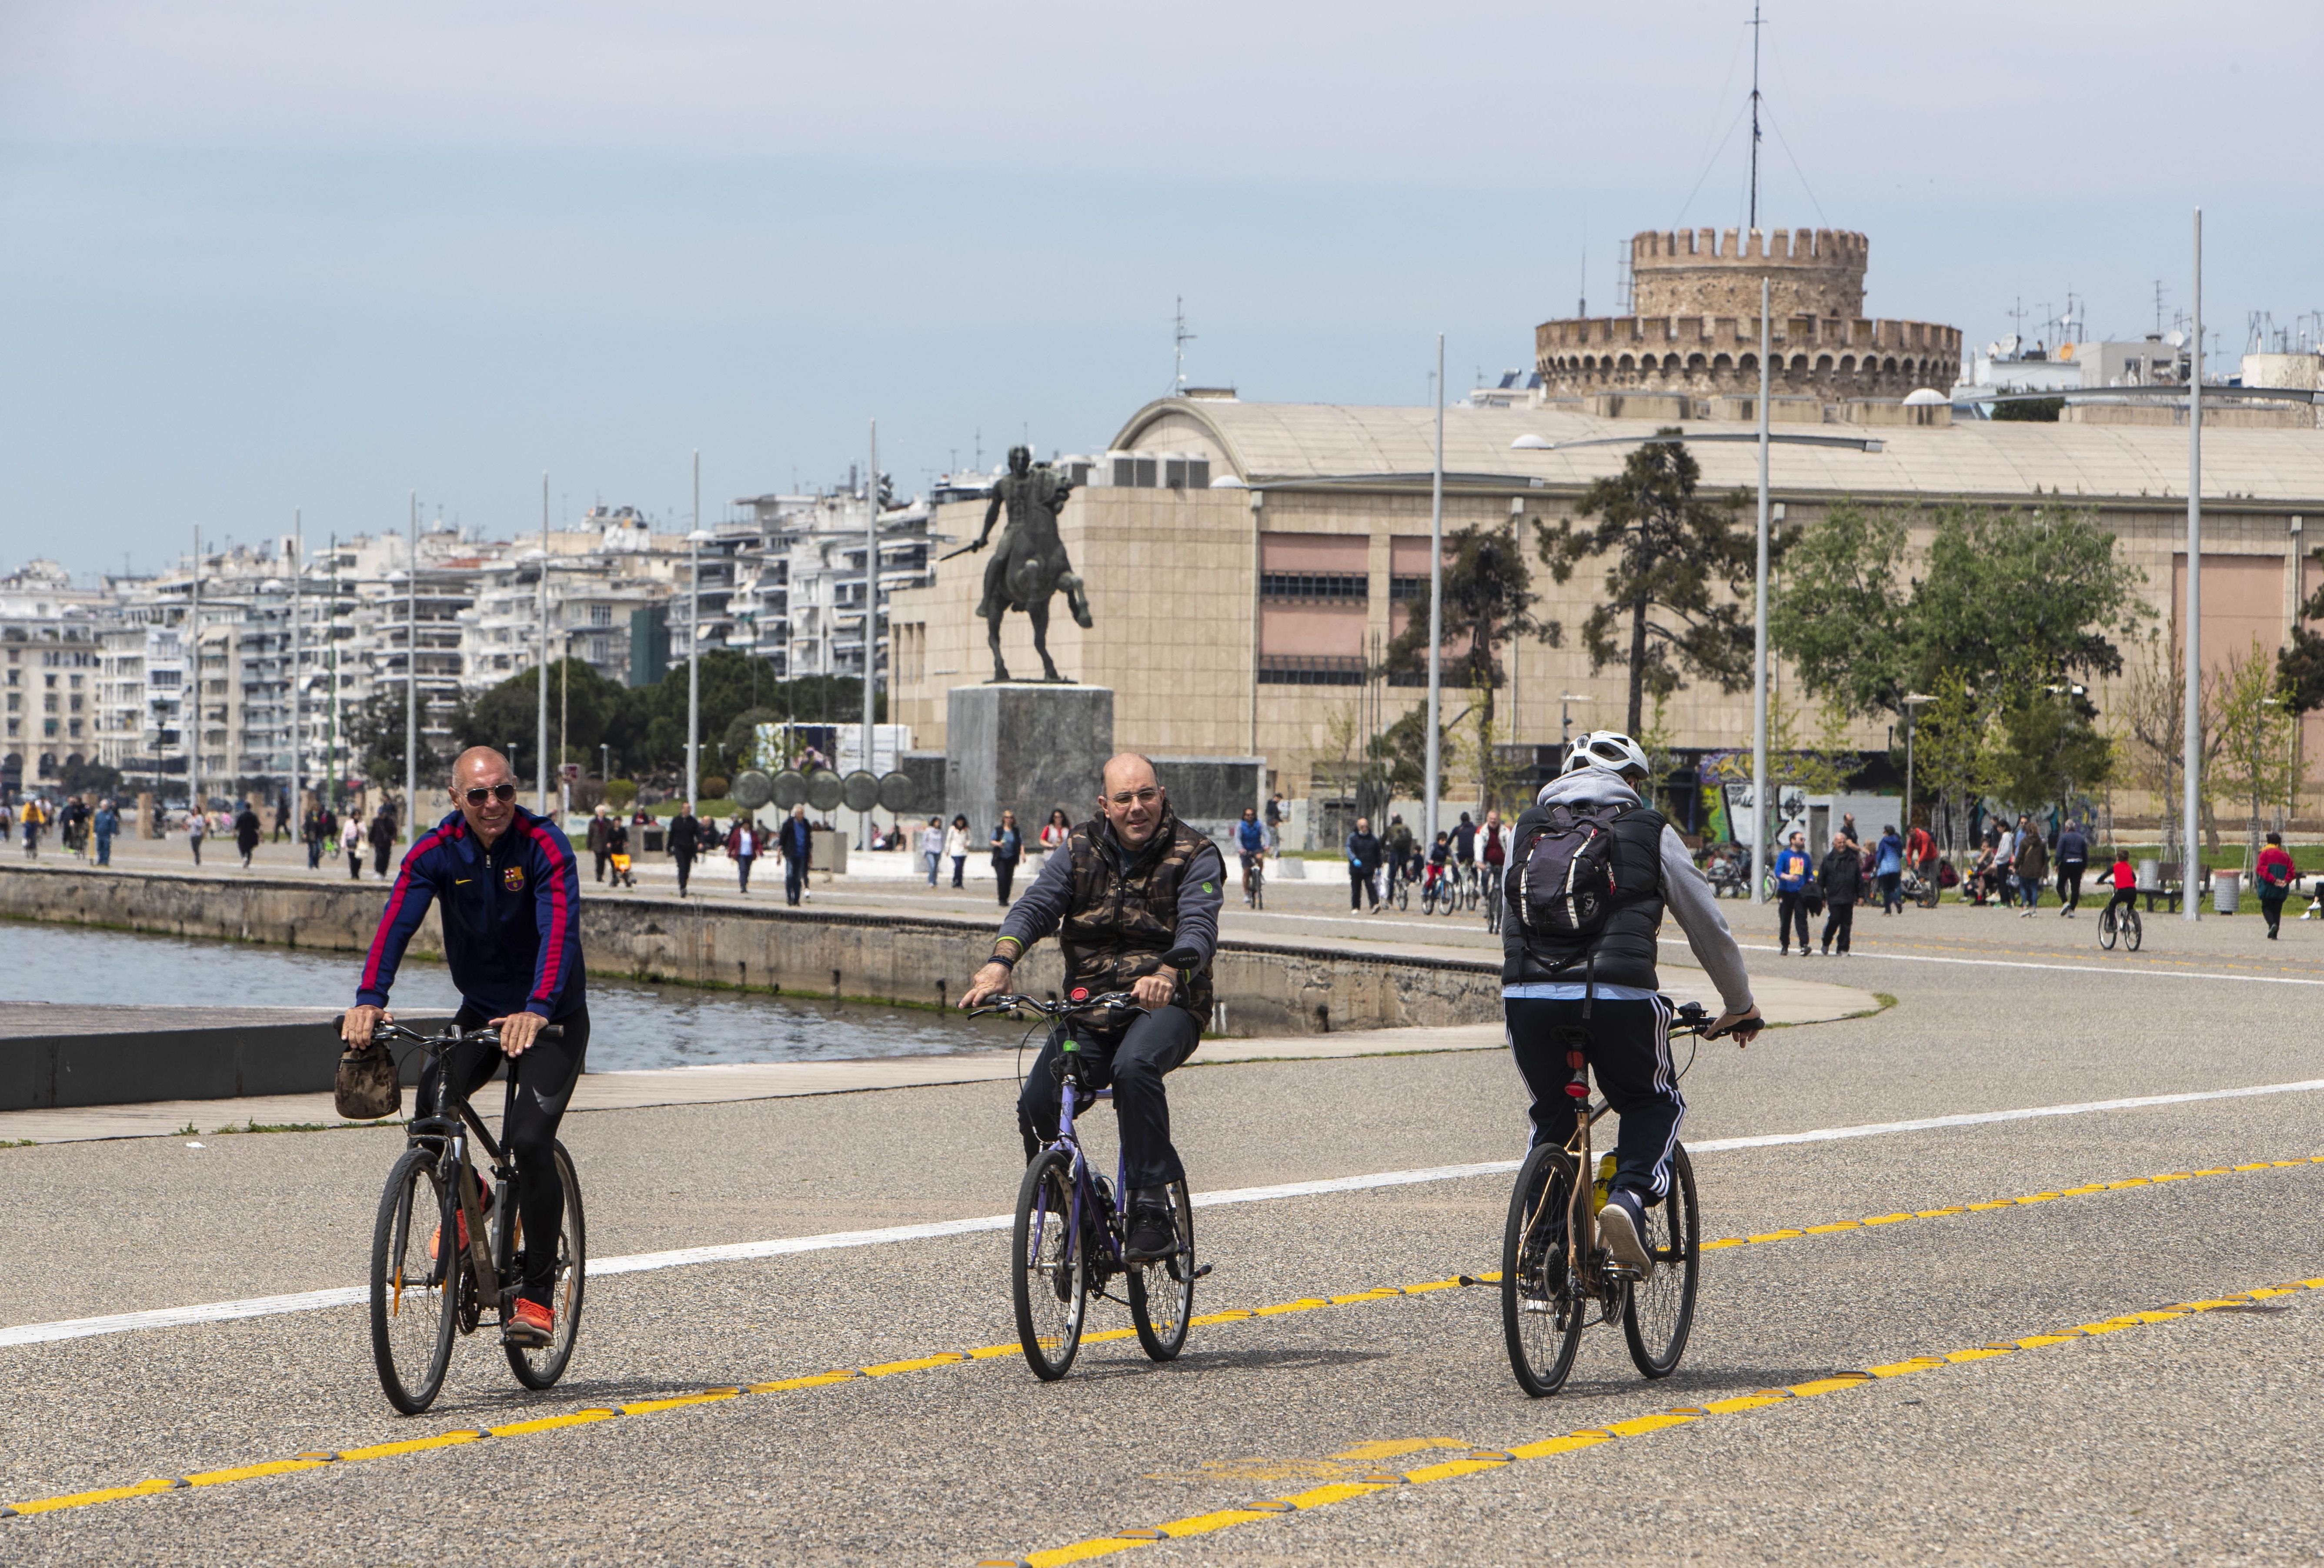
(1693, 1019)
(387, 1027)
(1014, 1003)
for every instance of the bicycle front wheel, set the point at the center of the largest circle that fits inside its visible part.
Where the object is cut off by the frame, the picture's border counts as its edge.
(1657, 1313)
(1404, 894)
(2133, 931)
(1542, 1306)
(1162, 1294)
(413, 1297)
(1051, 1282)
(539, 1365)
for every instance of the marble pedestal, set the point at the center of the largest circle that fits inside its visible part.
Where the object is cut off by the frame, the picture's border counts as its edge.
(1028, 748)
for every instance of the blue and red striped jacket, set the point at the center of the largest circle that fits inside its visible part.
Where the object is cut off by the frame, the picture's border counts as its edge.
(512, 918)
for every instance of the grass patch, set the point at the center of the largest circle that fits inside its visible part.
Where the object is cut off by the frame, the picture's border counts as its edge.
(15, 1143)
(187, 1130)
(256, 1126)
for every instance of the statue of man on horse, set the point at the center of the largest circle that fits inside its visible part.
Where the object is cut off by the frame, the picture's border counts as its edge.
(1029, 564)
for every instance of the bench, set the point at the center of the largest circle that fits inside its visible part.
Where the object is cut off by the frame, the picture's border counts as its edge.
(2169, 883)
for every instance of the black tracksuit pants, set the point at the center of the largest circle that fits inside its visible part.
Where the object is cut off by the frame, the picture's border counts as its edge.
(1629, 1051)
(1791, 909)
(545, 1076)
(1131, 1062)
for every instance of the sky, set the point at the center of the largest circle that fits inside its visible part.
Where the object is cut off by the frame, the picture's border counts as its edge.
(266, 259)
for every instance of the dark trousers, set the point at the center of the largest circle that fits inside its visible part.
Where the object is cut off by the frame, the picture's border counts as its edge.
(2272, 909)
(794, 878)
(545, 1076)
(1790, 907)
(1627, 1047)
(32, 846)
(1132, 1063)
(1360, 888)
(1841, 919)
(743, 865)
(314, 853)
(686, 870)
(959, 869)
(379, 853)
(603, 855)
(354, 865)
(2070, 883)
(1004, 871)
(1890, 900)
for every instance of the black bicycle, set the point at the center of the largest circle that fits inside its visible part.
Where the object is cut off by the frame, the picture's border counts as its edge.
(424, 1292)
(2120, 921)
(1556, 1274)
(1071, 1229)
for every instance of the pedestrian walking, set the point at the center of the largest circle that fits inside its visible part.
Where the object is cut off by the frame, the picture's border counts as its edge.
(618, 856)
(197, 828)
(1400, 852)
(1888, 866)
(1008, 849)
(796, 839)
(2073, 859)
(351, 844)
(1842, 880)
(33, 822)
(1056, 832)
(108, 823)
(2033, 864)
(1795, 877)
(2274, 876)
(311, 833)
(685, 842)
(932, 845)
(601, 838)
(383, 838)
(247, 831)
(955, 846)
(743, 843)
(1363, 848)
(1273, 817)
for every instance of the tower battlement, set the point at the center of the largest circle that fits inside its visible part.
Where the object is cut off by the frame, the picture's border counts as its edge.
(1715, 272)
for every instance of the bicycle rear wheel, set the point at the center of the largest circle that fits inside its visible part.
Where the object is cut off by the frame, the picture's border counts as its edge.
(1051, 1277)
(539, 1365)
(414, 1314)
(1657, 1313)
(2133, 930)
(2107, 926)
(1162, 1294)
(1404, 893)
(1542, 1305)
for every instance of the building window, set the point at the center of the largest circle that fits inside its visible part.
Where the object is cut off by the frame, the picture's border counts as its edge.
(1332, 588)
(1310, 669)
(601, 614)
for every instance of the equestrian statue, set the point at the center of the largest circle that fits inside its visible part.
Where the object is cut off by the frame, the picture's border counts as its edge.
(1029, 564)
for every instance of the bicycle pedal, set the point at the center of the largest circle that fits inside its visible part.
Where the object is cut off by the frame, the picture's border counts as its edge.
(1202, 1271)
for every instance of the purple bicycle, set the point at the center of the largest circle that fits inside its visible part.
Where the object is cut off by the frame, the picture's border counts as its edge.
(1071, 1225)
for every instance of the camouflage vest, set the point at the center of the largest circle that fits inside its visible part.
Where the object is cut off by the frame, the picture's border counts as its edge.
(1118, 922)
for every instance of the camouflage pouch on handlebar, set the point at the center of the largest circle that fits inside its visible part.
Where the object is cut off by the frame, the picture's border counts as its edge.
(366, 1088)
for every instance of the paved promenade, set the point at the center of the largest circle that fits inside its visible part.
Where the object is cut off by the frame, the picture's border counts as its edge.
(2021, 1268)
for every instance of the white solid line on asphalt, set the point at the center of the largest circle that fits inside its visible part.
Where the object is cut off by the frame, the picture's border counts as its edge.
(2063, 968)
(33, 1333)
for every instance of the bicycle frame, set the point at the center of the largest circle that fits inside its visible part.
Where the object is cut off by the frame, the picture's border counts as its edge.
(1084, 1188)
(448, 1131)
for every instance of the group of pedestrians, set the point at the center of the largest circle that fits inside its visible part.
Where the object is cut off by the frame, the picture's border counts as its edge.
(1849, 871)
(2015, 862)
(1377, 863)
(1006, 844)
(82, 823)
(614, 842)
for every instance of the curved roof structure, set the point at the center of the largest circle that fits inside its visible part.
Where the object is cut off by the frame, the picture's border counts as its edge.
(1344, 444)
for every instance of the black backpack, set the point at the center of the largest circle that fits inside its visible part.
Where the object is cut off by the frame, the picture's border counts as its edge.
(1562, 881)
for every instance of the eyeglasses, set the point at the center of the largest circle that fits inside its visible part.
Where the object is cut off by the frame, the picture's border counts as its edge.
(1146, 796)
(504, 793)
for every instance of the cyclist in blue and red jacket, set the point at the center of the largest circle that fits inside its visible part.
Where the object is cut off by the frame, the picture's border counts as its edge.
(511, 891)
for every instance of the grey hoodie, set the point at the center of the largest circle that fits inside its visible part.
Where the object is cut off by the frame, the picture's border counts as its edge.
(1685, 893)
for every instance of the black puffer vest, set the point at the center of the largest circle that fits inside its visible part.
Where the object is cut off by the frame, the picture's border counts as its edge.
(1625, 944)
(1124, 911)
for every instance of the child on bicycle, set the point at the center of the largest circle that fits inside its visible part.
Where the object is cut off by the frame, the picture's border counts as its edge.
(1439, 856)
(2125, 882)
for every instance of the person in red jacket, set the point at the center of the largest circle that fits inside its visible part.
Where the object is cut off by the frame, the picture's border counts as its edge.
(2125, 882)
(2274, 875)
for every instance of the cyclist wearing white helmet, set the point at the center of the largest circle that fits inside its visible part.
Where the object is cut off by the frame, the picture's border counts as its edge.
(1591, 869)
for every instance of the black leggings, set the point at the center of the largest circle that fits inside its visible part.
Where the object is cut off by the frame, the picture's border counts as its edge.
(1132, 1064)
(545, 1076)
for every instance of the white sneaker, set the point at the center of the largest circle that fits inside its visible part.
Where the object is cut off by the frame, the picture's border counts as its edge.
(1622, 1223)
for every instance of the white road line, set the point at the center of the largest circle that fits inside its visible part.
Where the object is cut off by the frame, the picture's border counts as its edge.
(33, 1333)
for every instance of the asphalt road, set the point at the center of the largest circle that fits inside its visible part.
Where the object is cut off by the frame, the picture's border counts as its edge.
(2179, 1436)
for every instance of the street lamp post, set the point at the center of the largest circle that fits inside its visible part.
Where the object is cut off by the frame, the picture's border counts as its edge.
(1913, 701)
(694, 638)
(2192, 763)
(1565, 699)
(871, 612)
(298, 732)
(1759, 814)
(411, 682)
(541, 675)
(193, 686)
(1436, 605)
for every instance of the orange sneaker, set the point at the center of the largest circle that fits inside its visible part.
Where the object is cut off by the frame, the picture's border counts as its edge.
(460, 1215)
(532, 1325)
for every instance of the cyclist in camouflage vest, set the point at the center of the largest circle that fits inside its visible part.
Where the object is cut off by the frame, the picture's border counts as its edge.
(1130, 885)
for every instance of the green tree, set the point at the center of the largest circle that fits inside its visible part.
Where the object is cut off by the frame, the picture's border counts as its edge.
(1665, 616)
(585, 702)
(1489, 599)
(1949, 752)
(2257, 726)
(375, 735)
(2047, 749)
(1842, 614)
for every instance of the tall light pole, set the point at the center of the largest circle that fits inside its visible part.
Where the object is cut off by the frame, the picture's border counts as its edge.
(871, 612)
(2190, 878)
(194, 682)
(411, 681)
(1759, 814)
(1913, 701)
(693, 638)
(541, 671)
(298, 711)
(1436, 604)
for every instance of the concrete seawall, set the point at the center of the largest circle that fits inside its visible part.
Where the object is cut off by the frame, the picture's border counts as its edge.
(1266, 988)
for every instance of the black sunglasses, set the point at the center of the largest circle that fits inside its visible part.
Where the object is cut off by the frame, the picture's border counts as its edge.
(504, 793)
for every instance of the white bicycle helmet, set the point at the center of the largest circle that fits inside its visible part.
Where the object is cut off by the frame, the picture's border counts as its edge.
(1609, 750)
